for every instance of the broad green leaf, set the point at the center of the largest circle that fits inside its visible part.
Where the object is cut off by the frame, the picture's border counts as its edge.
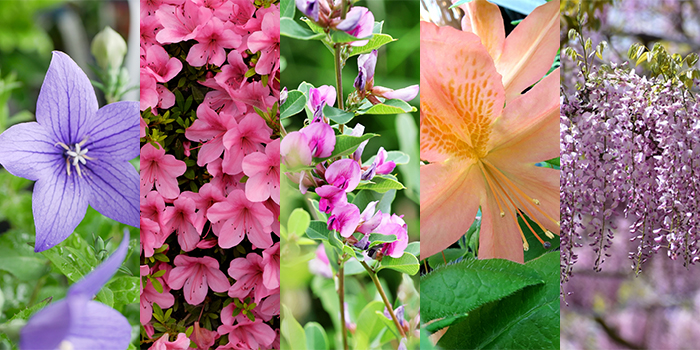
(462, 287)
(379, 238)
(369, 324)
(292, 331)
(316, 338)
(364, 197)
(298, 222)
(381, 184)
(397, 157)
(287, 8)
(126, 290)
(413, 248)
(321, 215)
(28, 312)
(337, 115)
(394, 106)
(345, 144)
(407, 263)
(377, 41)
(324, 289)
(451, 254)
(296, 100)
(339, 36)
(292, 29)
(318, 230)
(528, 319)
(19, 259)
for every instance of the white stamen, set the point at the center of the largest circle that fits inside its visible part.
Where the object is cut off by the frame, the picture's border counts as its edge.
(65, 345)
(75, 156)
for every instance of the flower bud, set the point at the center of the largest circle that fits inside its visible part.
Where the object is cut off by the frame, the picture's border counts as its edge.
(109, 49)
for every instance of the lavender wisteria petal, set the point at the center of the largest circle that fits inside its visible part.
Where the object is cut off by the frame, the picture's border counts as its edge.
(59, 204)
(66, 101)
(114, 190)
(112, 135)
(77, 154)
(27, 151)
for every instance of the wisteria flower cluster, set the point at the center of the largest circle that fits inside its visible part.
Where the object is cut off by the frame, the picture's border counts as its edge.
(630, 149)
(210, 174)
(326, 157)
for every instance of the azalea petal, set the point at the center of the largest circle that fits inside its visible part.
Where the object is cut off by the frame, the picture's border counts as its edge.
(499, 236)
(114, 190)
(196, 288)
(178, 276)
(450, 198)
(484, 19)
(47, 328)
(231, 233)
(528, 131)
(59, 203)
(112, 132)
(217, 280)
(66, 101)
(29, 151)
(461, 92)
(99, 327)
(529, 50)
(93, 282)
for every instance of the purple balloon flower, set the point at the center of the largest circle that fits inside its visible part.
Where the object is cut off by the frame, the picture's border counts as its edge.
(77, 322)
(77, 153)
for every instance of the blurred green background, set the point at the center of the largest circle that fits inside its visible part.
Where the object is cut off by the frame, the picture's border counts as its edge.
(397, 67)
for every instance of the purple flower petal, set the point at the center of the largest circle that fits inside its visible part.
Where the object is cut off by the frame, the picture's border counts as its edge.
(47, 328)
(112, 133)
(59, 204)
(28, 151)
(114, 190)
(99, 327)
(93, 282)
(66, 100)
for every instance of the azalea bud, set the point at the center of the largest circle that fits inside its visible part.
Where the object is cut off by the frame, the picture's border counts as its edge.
(109, 49)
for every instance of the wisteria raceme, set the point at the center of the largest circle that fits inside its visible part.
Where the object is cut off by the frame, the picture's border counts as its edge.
(210, 165)
(630, 148)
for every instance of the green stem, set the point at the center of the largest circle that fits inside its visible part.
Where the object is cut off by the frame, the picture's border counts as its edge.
(341, 297)
(388, 305)
(339, 78)
(343, 8)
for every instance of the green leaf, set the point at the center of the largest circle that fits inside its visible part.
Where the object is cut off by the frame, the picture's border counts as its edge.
(292, 331)
(339, 36)
(287, 9)
(369, 324)
(407, 263)
(379, 238)
(292, 29)
(318, 230)
(425, 342)
(126, 290)
(364, 197)
(346, 144)
(296, 100)
(397, 157)
(316, 338)
(298, 221)
(20, 259)
(28, 312)
(337, 115)
(381, 184)
(394, 106)
(528, 319)
(462, 287)
(377, 41)
(413, 248)
(451, 254)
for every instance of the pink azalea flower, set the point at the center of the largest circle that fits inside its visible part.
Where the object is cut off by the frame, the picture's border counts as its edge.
(271, 270)
(166, 98)
(269, 307)
(197, 275)
(149, 7)
(208, 194)
(248, 273)
(160, 64)
(150, 236)
(150, 25)
(248, 335)
(263, 171)
(212, 38)
(181, 218)
(267, 41)
(181, 23)
(149, 94)
(275, 209)
(240, 217)
(150, 295)
(255, 94)
(142, 128)
(242, 140)
(164, 343)
(210, 127)
(203, 337)
(161, 169)
(220, 100)
(238, 12)
(232, 75)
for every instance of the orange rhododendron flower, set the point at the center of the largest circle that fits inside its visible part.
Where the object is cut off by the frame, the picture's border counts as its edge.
(481, 138)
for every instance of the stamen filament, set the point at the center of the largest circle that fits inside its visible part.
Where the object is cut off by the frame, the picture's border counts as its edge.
(493, 190)
(519, 191)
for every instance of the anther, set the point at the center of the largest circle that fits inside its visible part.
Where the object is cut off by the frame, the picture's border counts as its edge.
(549, 234)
